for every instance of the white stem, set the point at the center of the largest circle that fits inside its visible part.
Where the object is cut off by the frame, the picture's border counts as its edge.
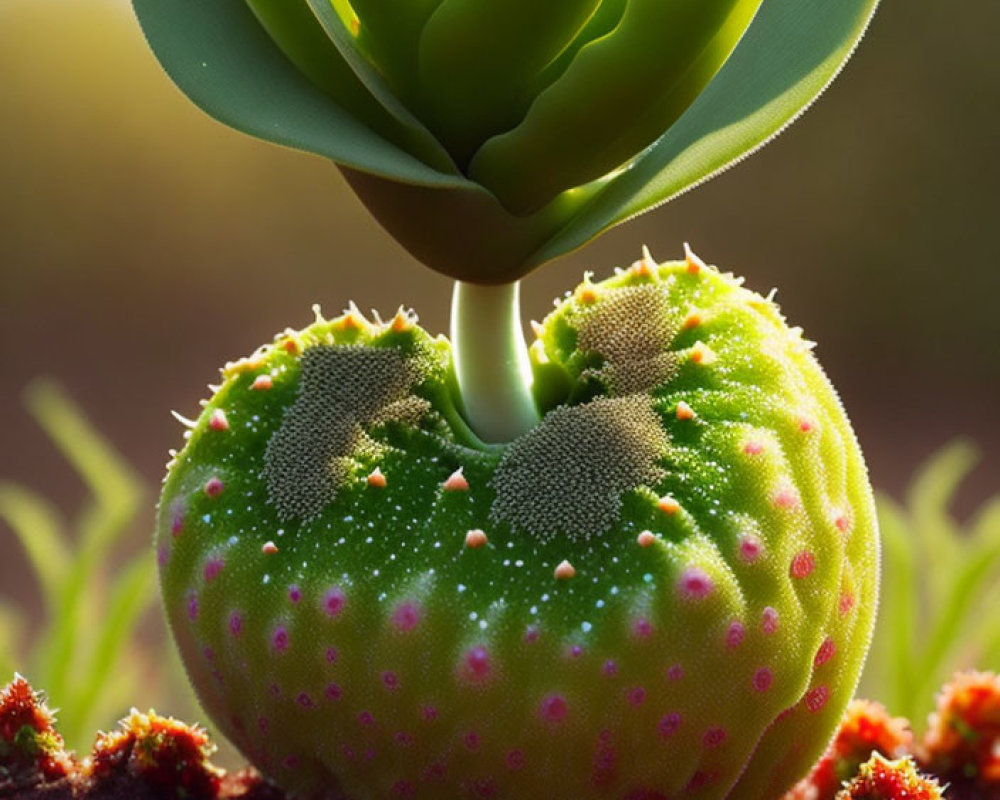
(491, 360)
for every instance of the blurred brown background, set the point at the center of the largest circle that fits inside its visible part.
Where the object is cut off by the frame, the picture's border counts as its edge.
(142, 244)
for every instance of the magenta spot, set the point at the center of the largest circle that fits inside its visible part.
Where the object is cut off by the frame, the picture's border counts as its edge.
(436, 772)
(476, 665)
(762, 679)
(402, 789)
(786, 497)
(406, 616)
(331, 655)
(192, 606)
(214, 487)
(403, 739)
(275, 689)
(471, 741)
(177, 519)
(365, 719)
(554, 708)
(430, 713)
(753, 448)
(668, 724)
(604, 764)
(515, 760)
(750, 548)
(843, 523)
(817, 698)
(333, 601)
(845, 604)
(290, 762)
(332, 692)
(735, 634)
(209, 654)
(694, 584)
(348, 752)
(803, 564)
(279, 639)
(531, 634)
(294, 593)
(575, 651)
(636, 696)
(714, 737)
(642, 628)
(805, 425)
(826, 651)
(213, 567)
(769, 621)
(610, 668)
(163, 555)
(675, 672)
(390, 680)
(305, 700)
(483, 788)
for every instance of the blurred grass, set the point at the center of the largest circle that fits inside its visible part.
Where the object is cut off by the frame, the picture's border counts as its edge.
(940, 605)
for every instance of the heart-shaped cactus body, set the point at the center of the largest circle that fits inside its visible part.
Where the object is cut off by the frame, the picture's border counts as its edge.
(664, 590)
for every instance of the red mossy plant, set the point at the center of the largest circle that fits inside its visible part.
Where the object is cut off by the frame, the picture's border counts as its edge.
(881, 779)
(31, 750)
(962, 743)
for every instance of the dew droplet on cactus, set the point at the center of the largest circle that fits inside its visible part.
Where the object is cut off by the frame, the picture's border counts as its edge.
(665, 588)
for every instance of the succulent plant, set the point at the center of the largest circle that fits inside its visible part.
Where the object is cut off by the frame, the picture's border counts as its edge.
(880, 779)
(665, 588)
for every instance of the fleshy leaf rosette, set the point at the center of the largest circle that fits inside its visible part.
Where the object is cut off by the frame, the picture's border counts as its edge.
(663, 589)
(489, 137)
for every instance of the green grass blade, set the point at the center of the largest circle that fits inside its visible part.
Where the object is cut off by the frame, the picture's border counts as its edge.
(39, 530)
(11, 628)
(131, 595)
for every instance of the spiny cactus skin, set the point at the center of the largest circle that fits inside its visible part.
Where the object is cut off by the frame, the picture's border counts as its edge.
(666, 589)
(31, 749)
(880, 779)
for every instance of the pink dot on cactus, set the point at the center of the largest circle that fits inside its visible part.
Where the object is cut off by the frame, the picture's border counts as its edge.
(554, 708)
(305, 700)
(668, 724)
(750, 548)
(610, 668)
(842, 523)
(636, 696)
(816, 698)
(826, 651)
(646, 538)
(642, 628)
(786, 497)
(762, 679)
(275, 689)
(262, 382)
(675, 672)
(332, 692)
(402, 789)
(436, 772)
(333, 601)
(279, 639)
(218, 420)
(515, 760)
(735, 634)
(694, 584)
(294, 593)
(845, 604)
(214, 487)
(575, 651)
(476, 665)
(429, 713)
(406, 616)
(236, 623)
(404, 739)
(769, 621)
(531, 634)
(331, 655)
(163, 555)
(263, 725)
(805, 425)
(753, 448)
(192, 606)
(714, 737)
(365, 719)
(213, 567)
(471, 741)
(803, 564)
(390, 680)
(177, 522)
(269, 548)
(209, 654)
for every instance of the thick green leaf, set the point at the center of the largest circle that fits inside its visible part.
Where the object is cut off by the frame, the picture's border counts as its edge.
(791, 52)
(220, 57)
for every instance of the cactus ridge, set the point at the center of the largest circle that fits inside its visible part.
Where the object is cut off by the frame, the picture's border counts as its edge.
(664, 590)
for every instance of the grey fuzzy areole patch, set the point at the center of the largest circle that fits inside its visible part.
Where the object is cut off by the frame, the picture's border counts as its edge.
(568, 476)
(342, 391)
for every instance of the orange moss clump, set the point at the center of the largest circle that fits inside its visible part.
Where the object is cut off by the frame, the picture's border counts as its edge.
(880, 779)
(962, 744)
(166, 755)
(867, 728)
(31, 750)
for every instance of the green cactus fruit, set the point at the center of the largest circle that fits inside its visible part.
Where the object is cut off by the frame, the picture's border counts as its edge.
(664, 589)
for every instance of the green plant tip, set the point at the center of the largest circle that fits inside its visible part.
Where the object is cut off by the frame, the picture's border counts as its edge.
(664, 589)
